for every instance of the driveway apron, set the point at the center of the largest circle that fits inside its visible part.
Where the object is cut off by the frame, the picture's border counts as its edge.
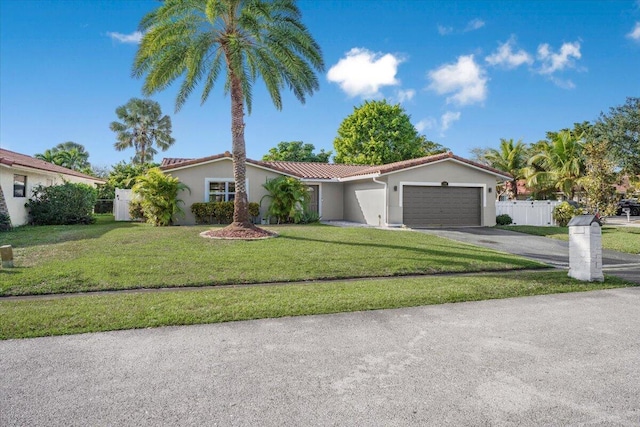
(543, 249)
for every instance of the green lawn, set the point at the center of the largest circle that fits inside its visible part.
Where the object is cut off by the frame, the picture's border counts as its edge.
(110, 255)
(622, 239)
(104, 312)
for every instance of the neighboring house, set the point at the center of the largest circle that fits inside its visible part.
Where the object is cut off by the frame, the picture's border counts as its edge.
(20, 173)
(438, 190)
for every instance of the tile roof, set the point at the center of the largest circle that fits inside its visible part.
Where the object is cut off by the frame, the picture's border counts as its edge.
(11, 158)
(308, 170)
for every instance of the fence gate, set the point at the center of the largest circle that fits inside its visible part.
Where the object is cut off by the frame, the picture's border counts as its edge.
(523, 212)
(121, 204)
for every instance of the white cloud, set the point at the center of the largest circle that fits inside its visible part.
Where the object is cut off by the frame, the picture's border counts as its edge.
(405, 95)
(133, 38)
(443, 31)
(474, 24)
(428, 123)
(362, 72)
(448, 119)
(635, 33)
(465, 79)
(552, 62)
(505, 56)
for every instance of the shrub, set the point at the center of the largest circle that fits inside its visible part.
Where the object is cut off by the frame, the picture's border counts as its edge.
(68, 203)
(504, 219)
(135, 210)
(159, 196)
(219, 212)
(5, 222)
(289, 198)
(223, 212)
(254, 210)
(308, 218)
(563, 213)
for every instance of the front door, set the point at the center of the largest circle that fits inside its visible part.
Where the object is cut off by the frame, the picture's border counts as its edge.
(314, 199)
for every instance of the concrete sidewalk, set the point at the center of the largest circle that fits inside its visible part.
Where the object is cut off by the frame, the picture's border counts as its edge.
(566, 359)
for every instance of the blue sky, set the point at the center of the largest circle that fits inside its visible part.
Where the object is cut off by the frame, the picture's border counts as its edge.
(467, 72)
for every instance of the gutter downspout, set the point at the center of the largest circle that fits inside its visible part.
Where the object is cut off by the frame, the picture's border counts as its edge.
(384, 220)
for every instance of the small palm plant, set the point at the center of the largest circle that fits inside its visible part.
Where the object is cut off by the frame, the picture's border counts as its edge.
(159, 197)
(289, 198)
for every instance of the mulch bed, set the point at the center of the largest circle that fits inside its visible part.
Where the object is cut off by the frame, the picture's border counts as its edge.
(237, 231)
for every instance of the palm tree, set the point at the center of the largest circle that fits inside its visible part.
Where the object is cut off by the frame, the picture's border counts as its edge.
(68, 154)
(511, 158)
(142, 125)
(558, 162)
(245, 39)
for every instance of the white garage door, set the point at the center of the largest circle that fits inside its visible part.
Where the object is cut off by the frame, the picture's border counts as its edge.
(441, 206)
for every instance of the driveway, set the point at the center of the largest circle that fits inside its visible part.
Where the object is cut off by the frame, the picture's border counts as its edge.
(567, 359)
(549, 251)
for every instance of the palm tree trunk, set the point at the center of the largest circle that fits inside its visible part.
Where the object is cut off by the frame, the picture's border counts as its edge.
(240, 205)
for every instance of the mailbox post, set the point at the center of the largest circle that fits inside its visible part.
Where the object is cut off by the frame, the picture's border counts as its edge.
(585, 248)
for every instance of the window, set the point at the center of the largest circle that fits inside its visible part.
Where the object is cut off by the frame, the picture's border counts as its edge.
(221, 190)
(19, 186)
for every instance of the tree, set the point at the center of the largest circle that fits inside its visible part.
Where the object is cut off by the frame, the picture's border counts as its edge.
(511, 158)
(600, 177)
(377, 133)
(245, 39)
(142, 126)
(68, 154)
(557, 163)
(621, 127)
(289, 198)
(296, 151)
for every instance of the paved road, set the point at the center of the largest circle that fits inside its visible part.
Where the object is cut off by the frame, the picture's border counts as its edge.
(571, 359)
(543, 249)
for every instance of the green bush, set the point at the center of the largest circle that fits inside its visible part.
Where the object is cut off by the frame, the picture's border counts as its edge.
(504, 219)
(159, 196)
(254, 210)
(563, 213)
(5, 222)
(135, 210)
(223, 212)
(308, 218)
(289, 199)
(219, 212)
(68, 203)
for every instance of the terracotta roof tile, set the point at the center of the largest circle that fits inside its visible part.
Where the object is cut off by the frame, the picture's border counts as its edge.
(12, 158)
(309, 170)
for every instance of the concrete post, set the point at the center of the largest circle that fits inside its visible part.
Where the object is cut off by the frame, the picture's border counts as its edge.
(585, 249)
(6, 254)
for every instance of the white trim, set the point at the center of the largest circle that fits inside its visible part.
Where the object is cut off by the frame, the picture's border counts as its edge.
(209, 180)
(359, 177)
(169, 168)
(320, 199)
(447, 160)
(401, 184)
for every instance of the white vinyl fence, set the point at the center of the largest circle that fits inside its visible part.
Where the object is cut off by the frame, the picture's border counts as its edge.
(523, 212)
(121, 204)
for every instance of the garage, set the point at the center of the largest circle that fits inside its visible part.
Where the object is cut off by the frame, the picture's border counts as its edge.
(429, 206)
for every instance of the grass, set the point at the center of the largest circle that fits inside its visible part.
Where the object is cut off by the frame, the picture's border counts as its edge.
(46, 316)
(622, 239)
(110, 256)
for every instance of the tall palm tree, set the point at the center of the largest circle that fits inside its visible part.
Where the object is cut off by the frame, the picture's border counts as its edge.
(511, 158)
(244, 39)
(558, 162)
(142, 126)
(49, 155)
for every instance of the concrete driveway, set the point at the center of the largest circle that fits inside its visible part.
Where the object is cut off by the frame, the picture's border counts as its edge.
(571, 359)
(550, 251)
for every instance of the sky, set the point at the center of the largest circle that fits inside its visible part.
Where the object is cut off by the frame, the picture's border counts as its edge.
(467, 72)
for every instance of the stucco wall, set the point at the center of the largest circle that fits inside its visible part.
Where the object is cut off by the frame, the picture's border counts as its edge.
(15, 205)
(455, 174)
(364, 202)
(194, 177)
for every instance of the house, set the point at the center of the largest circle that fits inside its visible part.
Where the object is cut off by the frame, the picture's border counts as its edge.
(20, 173)
(438, 190)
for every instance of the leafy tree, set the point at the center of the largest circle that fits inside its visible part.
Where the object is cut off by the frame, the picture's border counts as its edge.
(244, 39)
(511, 158)
(599, 179)
(557, 163)
(296, 151)
(68, 203)
(621, 127)
(69, 155)
(142, 126)
(159, 196)
(377, 133)
(479, 155)
(122, 175)
(289, 198)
